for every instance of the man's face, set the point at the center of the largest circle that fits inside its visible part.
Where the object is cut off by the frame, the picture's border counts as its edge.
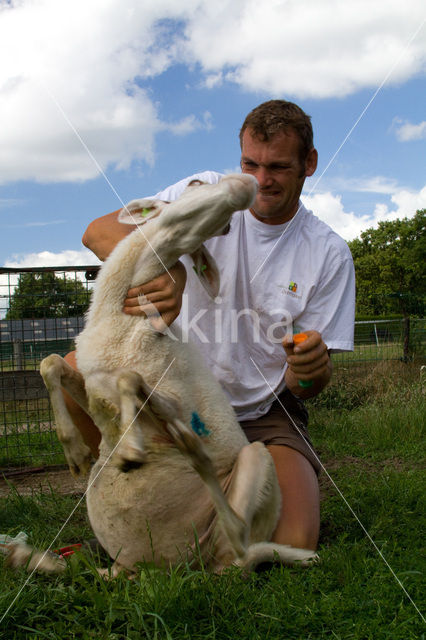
(279, 172)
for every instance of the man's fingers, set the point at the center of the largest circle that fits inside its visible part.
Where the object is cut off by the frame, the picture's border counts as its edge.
(162, 295)
(310, 366)
(309, 356)
(134, 311)
(143, 306)
(141, 298)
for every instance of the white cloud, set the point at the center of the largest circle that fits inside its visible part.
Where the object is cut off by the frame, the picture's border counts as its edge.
(35, 223)
(87, 66)
(307, 48)
(7, 203)
(79, 66)
(406, 203)
(330, 209)
(406, 131)
(191, 123)
(375, 184)
(68, 258)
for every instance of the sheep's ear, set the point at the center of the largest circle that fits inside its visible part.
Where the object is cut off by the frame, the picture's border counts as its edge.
(162, 407)
(206, 269)
(140, 211)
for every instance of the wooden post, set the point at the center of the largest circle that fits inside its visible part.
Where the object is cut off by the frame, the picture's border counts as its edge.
(406, 338)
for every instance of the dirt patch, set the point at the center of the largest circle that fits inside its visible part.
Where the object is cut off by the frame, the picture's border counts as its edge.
(42, 480)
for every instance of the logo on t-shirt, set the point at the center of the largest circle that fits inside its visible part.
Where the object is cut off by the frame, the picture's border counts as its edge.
(291, 289)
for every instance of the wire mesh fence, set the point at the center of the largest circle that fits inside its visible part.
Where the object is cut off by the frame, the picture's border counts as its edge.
(42, 311)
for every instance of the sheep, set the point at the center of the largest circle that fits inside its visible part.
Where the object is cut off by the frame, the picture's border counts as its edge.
(176, 476)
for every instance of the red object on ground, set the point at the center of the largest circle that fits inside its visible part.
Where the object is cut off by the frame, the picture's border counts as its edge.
(64, 552)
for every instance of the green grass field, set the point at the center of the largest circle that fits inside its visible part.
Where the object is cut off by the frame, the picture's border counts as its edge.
(369, 584)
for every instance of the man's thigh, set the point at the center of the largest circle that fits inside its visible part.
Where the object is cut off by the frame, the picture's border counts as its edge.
(284, 424)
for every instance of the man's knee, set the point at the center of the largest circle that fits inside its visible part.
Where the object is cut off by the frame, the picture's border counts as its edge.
(70, 358)
(300, 515)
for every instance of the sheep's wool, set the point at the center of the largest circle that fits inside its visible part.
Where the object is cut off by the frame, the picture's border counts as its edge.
(275, 279)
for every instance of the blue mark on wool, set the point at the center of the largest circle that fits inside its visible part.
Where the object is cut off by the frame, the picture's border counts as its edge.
(198, 425)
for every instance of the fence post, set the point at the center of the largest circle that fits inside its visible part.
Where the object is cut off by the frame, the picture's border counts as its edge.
(406, 338)
(18, 353)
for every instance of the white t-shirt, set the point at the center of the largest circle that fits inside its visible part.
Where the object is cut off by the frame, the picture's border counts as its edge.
(275, 279)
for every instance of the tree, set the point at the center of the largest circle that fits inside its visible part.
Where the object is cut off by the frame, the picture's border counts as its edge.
(45, 295)
(390, 267)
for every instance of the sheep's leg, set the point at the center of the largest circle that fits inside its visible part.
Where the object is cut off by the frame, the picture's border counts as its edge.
(139, 404)
(162, 412)
(130, 452)
(57, 373)
(22, 555)
(190, 445)
(254, 494)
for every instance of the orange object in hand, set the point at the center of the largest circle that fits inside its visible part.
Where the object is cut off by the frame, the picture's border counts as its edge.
(298, 338)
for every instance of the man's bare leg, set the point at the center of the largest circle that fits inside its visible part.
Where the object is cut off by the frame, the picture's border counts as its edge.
(300, 513)
(82, 421)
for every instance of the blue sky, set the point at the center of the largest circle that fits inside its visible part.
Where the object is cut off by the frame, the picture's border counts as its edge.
(157, 89)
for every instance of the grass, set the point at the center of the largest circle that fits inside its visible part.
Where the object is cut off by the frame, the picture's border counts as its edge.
(371, 452)
(27, 437)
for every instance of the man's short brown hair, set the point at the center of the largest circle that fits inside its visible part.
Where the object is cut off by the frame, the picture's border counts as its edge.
(271, 117)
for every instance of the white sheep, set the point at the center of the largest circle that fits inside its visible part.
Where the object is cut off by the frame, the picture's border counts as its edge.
(160, 491)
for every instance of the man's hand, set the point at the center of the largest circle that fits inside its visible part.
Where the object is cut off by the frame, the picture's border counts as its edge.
(164, 292)
(308, 360)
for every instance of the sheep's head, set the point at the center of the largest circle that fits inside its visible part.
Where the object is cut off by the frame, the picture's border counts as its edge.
(201, 212)
(204, 210)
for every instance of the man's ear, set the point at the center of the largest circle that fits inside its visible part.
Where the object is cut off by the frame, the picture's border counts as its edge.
(140, 211)
(311, 162)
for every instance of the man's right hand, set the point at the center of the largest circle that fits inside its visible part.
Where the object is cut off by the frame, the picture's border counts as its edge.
(164, 292)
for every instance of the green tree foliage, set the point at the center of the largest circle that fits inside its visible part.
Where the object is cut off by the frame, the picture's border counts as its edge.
(390, 267)
(46, 295)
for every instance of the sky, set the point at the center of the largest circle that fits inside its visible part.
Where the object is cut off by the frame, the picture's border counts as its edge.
(103, 101)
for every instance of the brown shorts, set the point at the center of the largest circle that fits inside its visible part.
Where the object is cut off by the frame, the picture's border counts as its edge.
(276, 427)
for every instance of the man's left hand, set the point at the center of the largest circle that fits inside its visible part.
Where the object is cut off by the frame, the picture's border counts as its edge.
(308, 360)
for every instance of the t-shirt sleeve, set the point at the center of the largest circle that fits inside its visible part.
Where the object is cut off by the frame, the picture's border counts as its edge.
(175, 190)
(331, 308)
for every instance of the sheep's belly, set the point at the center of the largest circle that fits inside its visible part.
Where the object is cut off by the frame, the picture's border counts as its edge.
(150, 514)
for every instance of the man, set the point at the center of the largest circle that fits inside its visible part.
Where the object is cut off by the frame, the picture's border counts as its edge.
(281, 270)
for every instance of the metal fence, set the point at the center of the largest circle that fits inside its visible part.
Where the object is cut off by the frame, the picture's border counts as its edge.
(34, 322)
(42, 311)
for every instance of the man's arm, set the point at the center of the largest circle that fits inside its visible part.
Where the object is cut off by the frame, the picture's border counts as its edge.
(104, 233)
(165, 291)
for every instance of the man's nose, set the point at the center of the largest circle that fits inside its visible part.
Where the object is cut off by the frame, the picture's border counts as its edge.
(264, 176)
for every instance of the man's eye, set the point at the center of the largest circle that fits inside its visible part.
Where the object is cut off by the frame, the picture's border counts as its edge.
(249, 165)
